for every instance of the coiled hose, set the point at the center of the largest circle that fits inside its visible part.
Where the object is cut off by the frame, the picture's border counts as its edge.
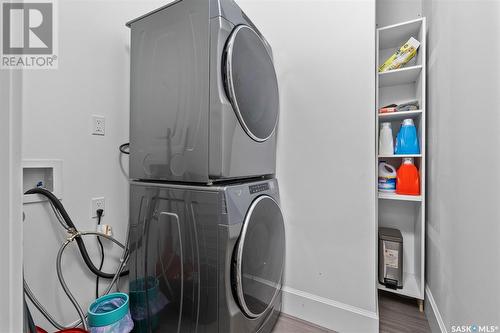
(41, 308)
(70, 227)
(81, 244)
(77, 236)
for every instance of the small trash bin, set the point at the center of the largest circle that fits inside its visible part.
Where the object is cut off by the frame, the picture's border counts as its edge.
(146, 302)
(110, 314)
(390, 258)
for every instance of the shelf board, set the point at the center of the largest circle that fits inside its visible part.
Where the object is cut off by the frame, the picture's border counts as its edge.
(394, 36)
(411, 287)
(394, 196)
(399, 115)
(400, 156)
(399, 76)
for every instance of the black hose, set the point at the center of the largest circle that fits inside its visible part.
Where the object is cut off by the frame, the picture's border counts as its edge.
(123, 148)
(81, 245)
(101, 248)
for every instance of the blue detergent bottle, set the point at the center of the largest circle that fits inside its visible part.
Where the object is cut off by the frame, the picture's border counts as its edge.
(407, 139)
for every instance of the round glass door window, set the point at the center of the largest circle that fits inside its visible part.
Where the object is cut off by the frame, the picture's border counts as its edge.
(259, 257)
(251, 83)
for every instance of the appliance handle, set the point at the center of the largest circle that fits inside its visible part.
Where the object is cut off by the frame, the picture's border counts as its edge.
(177, 221)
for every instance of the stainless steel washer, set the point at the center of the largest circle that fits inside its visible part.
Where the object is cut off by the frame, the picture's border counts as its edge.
(206, 258)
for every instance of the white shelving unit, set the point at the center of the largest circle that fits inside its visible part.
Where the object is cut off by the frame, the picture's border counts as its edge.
(404, 212)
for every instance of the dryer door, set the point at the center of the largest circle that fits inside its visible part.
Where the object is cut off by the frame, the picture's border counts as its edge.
(250, 82)
(259, 257)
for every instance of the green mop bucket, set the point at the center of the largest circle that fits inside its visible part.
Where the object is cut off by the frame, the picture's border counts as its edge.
(143, 291)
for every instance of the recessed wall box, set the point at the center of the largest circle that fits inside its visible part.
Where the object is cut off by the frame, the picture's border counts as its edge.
(42, 173)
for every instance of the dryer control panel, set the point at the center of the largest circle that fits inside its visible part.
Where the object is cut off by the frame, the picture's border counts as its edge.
(259, 188)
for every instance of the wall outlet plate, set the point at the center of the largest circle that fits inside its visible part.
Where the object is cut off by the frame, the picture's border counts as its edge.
(98, 125)
(97, 203)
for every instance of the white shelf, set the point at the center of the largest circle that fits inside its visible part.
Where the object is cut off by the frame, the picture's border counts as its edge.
(399, 115)
(399, 76)
(411, 287)
(400, 156)
(394, 196)
(392, 36)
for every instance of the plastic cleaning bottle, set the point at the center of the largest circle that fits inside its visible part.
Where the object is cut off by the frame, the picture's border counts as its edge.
(408, 179)
(407, 139)
(386, 142)
(386, 177)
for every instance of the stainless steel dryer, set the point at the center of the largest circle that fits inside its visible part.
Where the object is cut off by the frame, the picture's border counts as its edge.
(204, 95)
(206, 259)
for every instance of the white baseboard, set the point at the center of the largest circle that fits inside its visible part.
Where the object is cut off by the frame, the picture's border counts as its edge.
(328, 313)
(433, 317)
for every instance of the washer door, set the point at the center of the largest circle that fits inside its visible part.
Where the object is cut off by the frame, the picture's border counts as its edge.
(259, 257)
(250, 82)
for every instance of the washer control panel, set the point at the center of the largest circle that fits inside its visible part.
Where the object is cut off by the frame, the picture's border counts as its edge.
(259, 188)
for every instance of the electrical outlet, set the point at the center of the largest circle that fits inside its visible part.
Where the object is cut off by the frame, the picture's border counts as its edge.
(98, 125)
(97, 203)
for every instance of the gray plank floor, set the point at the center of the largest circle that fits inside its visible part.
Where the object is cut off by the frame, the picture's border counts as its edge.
(397, 315)
(287, 324)
(400, 315)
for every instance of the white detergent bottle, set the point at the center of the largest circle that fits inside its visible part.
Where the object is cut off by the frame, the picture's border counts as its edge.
(386, 178)
(386, 142)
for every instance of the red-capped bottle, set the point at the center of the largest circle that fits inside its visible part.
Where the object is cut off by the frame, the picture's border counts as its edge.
(408, 179)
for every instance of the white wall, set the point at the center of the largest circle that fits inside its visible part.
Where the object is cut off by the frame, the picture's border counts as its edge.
(326, 149)
(93, 78)
(463, 252)
(324, 55)
(395, 11)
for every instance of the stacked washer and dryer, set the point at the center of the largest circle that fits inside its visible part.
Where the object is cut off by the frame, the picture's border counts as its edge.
(207, 234)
